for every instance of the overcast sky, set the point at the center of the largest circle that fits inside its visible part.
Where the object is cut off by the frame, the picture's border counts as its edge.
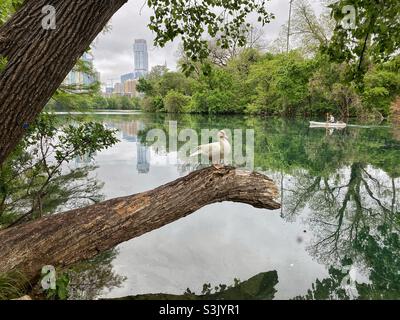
(113, 51)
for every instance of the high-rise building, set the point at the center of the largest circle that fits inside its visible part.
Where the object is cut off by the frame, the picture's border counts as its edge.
(130, 88)
(141, 58)
(126, 77)
(118, 89)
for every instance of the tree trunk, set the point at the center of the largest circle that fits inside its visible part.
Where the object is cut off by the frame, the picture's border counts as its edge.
(39, 59)
(66, 238)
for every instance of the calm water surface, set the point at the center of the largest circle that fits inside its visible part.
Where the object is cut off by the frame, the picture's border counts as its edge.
(336, 236)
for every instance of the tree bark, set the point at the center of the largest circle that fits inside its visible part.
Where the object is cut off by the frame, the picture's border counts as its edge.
(66, 238)
(39, 59)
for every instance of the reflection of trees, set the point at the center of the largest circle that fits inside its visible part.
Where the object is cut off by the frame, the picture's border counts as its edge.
(259, 287)
(354, 216)
(341, 206)
(88, 279)
(381, 253)
(327, 289)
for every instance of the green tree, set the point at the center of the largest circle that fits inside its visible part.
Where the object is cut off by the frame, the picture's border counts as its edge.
(145, 86)
(175, 102)
(34, 181)
(372, 38)
(382, 86)
(331, 92)
(216, 92)
(7, 8)
(174, 81)
(280, 84)
(153, 104)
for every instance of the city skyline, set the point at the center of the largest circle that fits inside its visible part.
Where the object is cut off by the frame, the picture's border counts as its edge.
(113, 49)
(128, 81)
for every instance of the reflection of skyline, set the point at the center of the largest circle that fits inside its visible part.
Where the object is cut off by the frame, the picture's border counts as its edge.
(129, 131)
(130, 138)
(143, 158)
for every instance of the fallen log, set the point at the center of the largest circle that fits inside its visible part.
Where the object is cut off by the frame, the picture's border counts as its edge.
(66, 238)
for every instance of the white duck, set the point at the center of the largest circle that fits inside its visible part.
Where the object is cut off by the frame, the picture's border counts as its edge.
(216, 150)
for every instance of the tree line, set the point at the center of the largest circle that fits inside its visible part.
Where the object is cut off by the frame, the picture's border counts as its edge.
(283, 84)
(314, 66)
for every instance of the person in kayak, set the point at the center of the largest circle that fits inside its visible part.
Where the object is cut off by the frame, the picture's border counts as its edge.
(331, 119)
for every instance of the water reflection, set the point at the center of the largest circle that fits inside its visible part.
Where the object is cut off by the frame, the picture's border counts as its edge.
(259, 287)
(337, 235)
(341, 205)
(88, 279)
(143, 158)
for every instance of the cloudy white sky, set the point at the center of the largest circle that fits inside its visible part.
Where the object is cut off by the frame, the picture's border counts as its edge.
(113, 51)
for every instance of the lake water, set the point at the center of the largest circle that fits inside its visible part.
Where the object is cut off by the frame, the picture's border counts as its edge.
(336, 236)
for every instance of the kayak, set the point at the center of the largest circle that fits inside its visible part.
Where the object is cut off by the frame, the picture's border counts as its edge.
(340, 125)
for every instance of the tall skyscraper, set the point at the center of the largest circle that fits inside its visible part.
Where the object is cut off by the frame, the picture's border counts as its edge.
(141, 58)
